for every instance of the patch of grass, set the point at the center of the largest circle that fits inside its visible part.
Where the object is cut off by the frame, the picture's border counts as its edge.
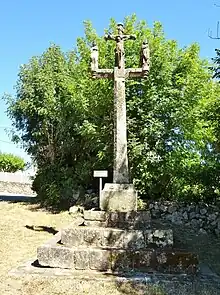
(24, 227)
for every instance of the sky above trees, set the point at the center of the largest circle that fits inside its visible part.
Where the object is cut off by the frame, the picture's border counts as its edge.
(28, 28)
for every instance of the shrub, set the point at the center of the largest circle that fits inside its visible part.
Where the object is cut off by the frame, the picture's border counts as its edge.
(11, 163)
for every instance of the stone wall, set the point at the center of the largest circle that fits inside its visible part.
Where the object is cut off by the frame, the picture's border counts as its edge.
(18, 177)
(203, 217)
(16, 188)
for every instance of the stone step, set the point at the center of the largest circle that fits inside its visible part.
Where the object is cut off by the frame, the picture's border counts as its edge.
(131, 219)
(116, 238)
(84, 258)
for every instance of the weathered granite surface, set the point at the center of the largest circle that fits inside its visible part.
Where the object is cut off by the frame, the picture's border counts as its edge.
(147, 260)
(125, 220)
(200, 216)
(56, 256)
(116, 238)
(120, 73)
(118, 197)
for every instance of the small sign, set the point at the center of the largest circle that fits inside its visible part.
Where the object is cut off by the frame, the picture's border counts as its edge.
(100, 173)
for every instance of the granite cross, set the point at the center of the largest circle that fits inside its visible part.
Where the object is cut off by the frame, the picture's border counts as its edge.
(119, 74)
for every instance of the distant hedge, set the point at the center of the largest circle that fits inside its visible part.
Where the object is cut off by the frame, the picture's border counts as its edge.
(11, 163)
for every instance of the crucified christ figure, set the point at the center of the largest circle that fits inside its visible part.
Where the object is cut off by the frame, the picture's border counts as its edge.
(119, 50)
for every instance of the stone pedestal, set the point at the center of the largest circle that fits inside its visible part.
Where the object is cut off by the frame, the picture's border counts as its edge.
(118, 197)
(116, 250)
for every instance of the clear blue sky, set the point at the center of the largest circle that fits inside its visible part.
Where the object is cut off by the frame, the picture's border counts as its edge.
(27, 27)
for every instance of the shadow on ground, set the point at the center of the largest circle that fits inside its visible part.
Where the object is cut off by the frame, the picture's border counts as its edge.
(47, 229)
(29, 200)
(16, 199)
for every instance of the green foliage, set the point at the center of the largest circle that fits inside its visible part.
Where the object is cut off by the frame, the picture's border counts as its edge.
(11, 163)
(213, 112)
(54, 186)
(65, 119)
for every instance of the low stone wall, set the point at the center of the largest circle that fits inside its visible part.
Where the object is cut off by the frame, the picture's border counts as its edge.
(203, 217)
(18, 177)
(16, 188)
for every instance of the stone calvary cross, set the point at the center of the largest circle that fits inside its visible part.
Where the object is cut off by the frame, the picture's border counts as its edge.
(118, 190)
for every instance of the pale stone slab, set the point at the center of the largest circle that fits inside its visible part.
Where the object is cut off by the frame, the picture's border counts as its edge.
(120, 170)
(100, 260)
(95, 215)
(82, 259)
(72, 236)
(134, 240)
(116, 238)
(55, 256)
(118, 197)
(113, 238)
(129, 216)
(93, 237)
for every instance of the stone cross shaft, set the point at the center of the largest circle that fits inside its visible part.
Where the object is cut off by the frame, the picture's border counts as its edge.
(119, 74)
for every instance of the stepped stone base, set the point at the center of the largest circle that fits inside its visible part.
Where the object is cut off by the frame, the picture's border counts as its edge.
(118, 197)
(125, 220)
(147, 260)
(116, 238)
(115, 250)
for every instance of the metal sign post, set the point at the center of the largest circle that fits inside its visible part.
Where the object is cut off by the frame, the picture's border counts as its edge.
(100, 174)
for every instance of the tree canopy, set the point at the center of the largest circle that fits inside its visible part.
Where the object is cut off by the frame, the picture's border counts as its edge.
(11, 163)
(64, 118)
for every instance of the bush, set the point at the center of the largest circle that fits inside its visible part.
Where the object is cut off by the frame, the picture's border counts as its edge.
(11, 163)
(55, 187)
(65, 119)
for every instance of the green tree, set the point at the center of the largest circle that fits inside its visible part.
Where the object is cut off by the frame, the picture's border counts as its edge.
(11, 163)
(64, 119)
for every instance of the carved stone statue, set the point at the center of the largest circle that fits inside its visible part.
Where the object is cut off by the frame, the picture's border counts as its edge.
(119, 50)
(145, 56)
(94, 57)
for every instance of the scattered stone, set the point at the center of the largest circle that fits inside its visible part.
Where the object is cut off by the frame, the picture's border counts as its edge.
(155, 213)
(217, 232)
(176, 218)
(207, 216)
(172, 209)
(203, 211)
(192, 215)
(185, 215)
(214, 223)
(194, 222)
(163, 208)
(202, 231)
(169, 217)
(76, 209)
(191, 208)
(201, 223)
(212, 216)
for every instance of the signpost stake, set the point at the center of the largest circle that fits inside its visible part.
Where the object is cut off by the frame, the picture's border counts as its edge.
(100, 174)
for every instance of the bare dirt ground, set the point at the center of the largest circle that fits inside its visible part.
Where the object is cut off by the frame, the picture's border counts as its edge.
(20, 236)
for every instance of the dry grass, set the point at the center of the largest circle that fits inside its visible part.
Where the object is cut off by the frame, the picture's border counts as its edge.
(19, 243)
